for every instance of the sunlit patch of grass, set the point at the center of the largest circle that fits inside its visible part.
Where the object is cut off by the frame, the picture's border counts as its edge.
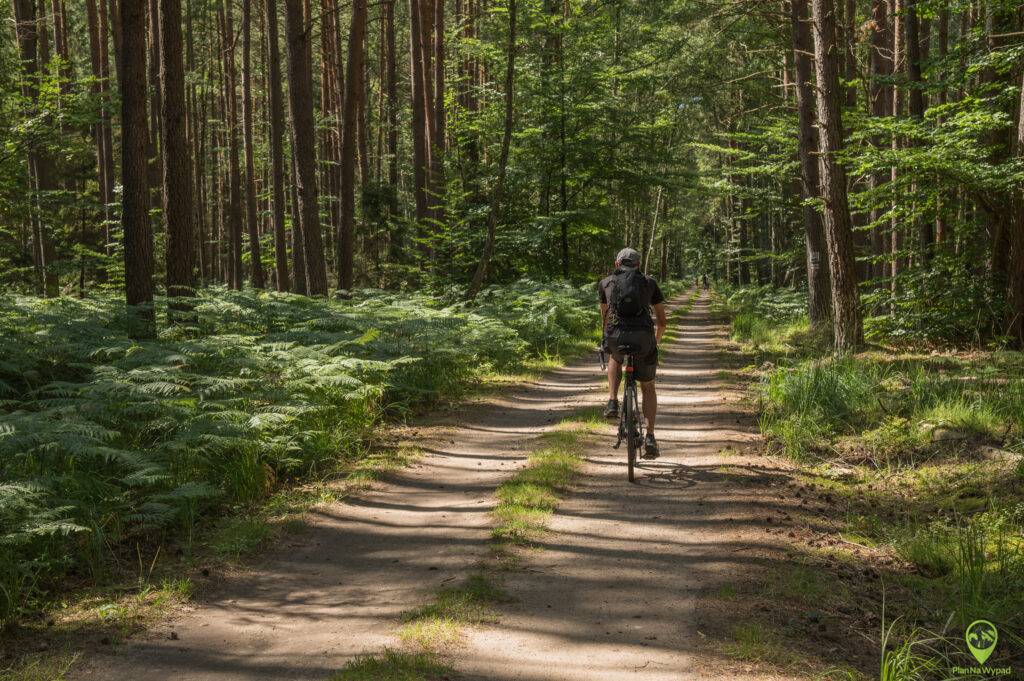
(394, 665)
(966, 416)
(527, 499)
(765, 335)
(440, 623)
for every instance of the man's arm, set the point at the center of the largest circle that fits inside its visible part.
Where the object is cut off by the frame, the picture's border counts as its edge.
(660, 321)
(604, 316)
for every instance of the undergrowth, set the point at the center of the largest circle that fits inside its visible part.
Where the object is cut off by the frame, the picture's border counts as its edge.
(109, 444)
(920, 453)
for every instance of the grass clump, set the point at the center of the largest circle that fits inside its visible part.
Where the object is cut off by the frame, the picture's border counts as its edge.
(394, 665)
(527, 499)
(440, 623)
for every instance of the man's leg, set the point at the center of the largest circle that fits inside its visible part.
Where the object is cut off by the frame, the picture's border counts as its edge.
(650, 404)
(614, 376)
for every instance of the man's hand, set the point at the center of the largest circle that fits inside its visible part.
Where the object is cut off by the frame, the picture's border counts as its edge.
(660, 322)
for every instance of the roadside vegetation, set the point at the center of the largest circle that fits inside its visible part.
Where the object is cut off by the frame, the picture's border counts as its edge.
(116, 453)
(908, 466)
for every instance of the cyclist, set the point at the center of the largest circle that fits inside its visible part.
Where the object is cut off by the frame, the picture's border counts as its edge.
(627, 296)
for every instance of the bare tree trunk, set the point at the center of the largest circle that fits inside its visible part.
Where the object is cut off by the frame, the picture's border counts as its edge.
(846, 315)
(438, 133)
(353, 93)
(32, 50)
(251, 215)
(138, 238)
(234, 171)
(898, 63)
(1016, 292)
(881, 96)
(420, 128)
(298, 241)
(277, 145)
(915, 59)
(177, 166)
(392, 93)
(506, 141)
(818, 282)
(300, 91)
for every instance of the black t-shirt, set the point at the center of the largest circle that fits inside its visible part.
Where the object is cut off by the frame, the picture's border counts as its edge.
(656, 297)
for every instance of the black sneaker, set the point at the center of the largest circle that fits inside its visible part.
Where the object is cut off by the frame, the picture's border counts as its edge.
(650, 447)
(612, 410)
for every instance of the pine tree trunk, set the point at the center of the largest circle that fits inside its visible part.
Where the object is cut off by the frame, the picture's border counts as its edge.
(276, 145)
(1016, 292)
(251, 215)
(353, 93)
(32, 50)
(818, 283)
(915, 60)
(234, 170)
(846, 315)
(177, 166)
(138, 237)
(392, 92)
(881, 96)
(300, 95)
(420, 130)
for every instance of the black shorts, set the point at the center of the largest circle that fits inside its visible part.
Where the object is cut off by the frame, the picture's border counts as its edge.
(646, 366)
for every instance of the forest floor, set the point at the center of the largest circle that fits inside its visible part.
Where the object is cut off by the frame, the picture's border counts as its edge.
(674, 577)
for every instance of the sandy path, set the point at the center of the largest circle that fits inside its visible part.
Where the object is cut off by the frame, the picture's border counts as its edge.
(613, 595)
(615, 592)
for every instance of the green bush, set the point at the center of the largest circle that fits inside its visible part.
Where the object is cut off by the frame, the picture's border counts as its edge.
(105, 440)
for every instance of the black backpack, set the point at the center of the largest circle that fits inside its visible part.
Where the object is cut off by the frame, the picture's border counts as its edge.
(629, 299)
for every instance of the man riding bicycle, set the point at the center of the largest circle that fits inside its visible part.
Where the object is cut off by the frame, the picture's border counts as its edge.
(627, 297)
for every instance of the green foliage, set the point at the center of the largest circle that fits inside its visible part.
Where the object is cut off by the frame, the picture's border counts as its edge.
(105, 440)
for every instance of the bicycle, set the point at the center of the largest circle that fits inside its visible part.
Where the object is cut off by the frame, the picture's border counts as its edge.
(631, 419)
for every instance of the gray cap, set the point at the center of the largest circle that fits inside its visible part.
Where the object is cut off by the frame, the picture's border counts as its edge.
(628, 256)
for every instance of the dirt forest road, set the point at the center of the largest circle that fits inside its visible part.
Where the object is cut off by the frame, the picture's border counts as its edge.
(617, 591)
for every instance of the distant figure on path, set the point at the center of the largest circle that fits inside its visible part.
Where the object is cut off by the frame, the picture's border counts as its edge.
(627, 296)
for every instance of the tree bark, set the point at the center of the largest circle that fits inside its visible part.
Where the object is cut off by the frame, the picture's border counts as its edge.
(480, 276)
(353, 94)
(138, 237)
(392, 92)
(276, 145)
(177, 166)
(847, 325)
(251, 214)
(1016, 292)
(420, 128)
(818, 283)
(915, 60)
(881, 102)
(300, 91)
(41, 163)
(234, 170)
